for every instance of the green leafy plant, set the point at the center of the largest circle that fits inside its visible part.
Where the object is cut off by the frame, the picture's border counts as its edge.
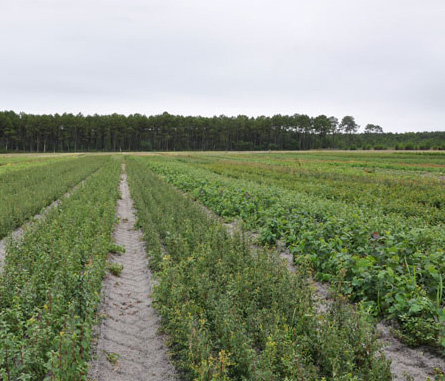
(112, 357)
(50, 283)
(23, 193)
(115, 268)
(116, 249)
(390, 251)
(231, 312)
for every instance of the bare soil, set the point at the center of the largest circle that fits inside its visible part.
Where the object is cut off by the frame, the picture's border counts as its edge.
(409, 363)
(129, 346)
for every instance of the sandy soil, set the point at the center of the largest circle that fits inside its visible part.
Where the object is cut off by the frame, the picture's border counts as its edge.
(409, 363)
(129, 346)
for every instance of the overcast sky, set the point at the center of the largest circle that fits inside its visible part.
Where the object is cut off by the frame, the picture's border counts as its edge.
(381, 61)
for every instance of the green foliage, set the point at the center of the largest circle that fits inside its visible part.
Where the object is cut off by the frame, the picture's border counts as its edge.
(112, 357)
(116, 249)
(231, 312)
(24, 192)
(387, 254)
(348, 125)
(50, 283)
(165, 132)
(115, 268)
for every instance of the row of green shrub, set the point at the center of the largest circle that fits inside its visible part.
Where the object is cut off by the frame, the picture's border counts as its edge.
(51, 281)
(235, 313)
(400, 146)
(25, 192)
(392, 264)
(374, 188)
(20, 162)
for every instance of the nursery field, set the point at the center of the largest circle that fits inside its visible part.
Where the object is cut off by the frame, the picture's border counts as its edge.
(27, 184)
(369, 225)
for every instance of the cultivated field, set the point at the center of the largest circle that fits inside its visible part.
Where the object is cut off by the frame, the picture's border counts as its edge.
(368, 226)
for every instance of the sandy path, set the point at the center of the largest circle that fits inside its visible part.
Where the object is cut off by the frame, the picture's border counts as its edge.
(128, 334)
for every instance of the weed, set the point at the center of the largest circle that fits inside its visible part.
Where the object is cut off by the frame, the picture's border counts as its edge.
(112, 357)
(115, 268)
(116, 250)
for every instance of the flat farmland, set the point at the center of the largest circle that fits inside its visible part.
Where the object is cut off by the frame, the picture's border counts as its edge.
(370, 222)
(368, 226)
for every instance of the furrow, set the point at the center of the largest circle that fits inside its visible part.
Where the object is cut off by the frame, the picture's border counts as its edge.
(129, 346)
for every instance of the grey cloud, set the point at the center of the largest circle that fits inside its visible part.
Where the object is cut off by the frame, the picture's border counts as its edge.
(379, 61)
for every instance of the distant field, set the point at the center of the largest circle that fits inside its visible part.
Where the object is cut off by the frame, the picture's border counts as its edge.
(371, 224)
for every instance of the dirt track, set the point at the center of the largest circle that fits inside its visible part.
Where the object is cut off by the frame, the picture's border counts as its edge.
(129, 346)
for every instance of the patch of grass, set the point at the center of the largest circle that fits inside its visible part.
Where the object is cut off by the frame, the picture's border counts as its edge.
(115, 268)
(116, 249)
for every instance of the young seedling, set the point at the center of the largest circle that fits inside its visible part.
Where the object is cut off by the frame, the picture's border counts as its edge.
(112, 357)
(115, 268)
(117, 250)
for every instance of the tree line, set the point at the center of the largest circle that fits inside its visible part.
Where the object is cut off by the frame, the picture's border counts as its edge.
(23, 132)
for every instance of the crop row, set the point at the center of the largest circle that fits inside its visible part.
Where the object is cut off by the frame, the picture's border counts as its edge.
(351, 162)
(18, 162)
(25, 192)
(50, 283)
(392, 264)
(406, 194)
(232, 312)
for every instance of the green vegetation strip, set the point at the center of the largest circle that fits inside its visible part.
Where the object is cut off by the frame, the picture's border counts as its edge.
(50, 284)
(19, 162)
(391, 263)
(406, 194)
(25, 192)
(234, 313)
